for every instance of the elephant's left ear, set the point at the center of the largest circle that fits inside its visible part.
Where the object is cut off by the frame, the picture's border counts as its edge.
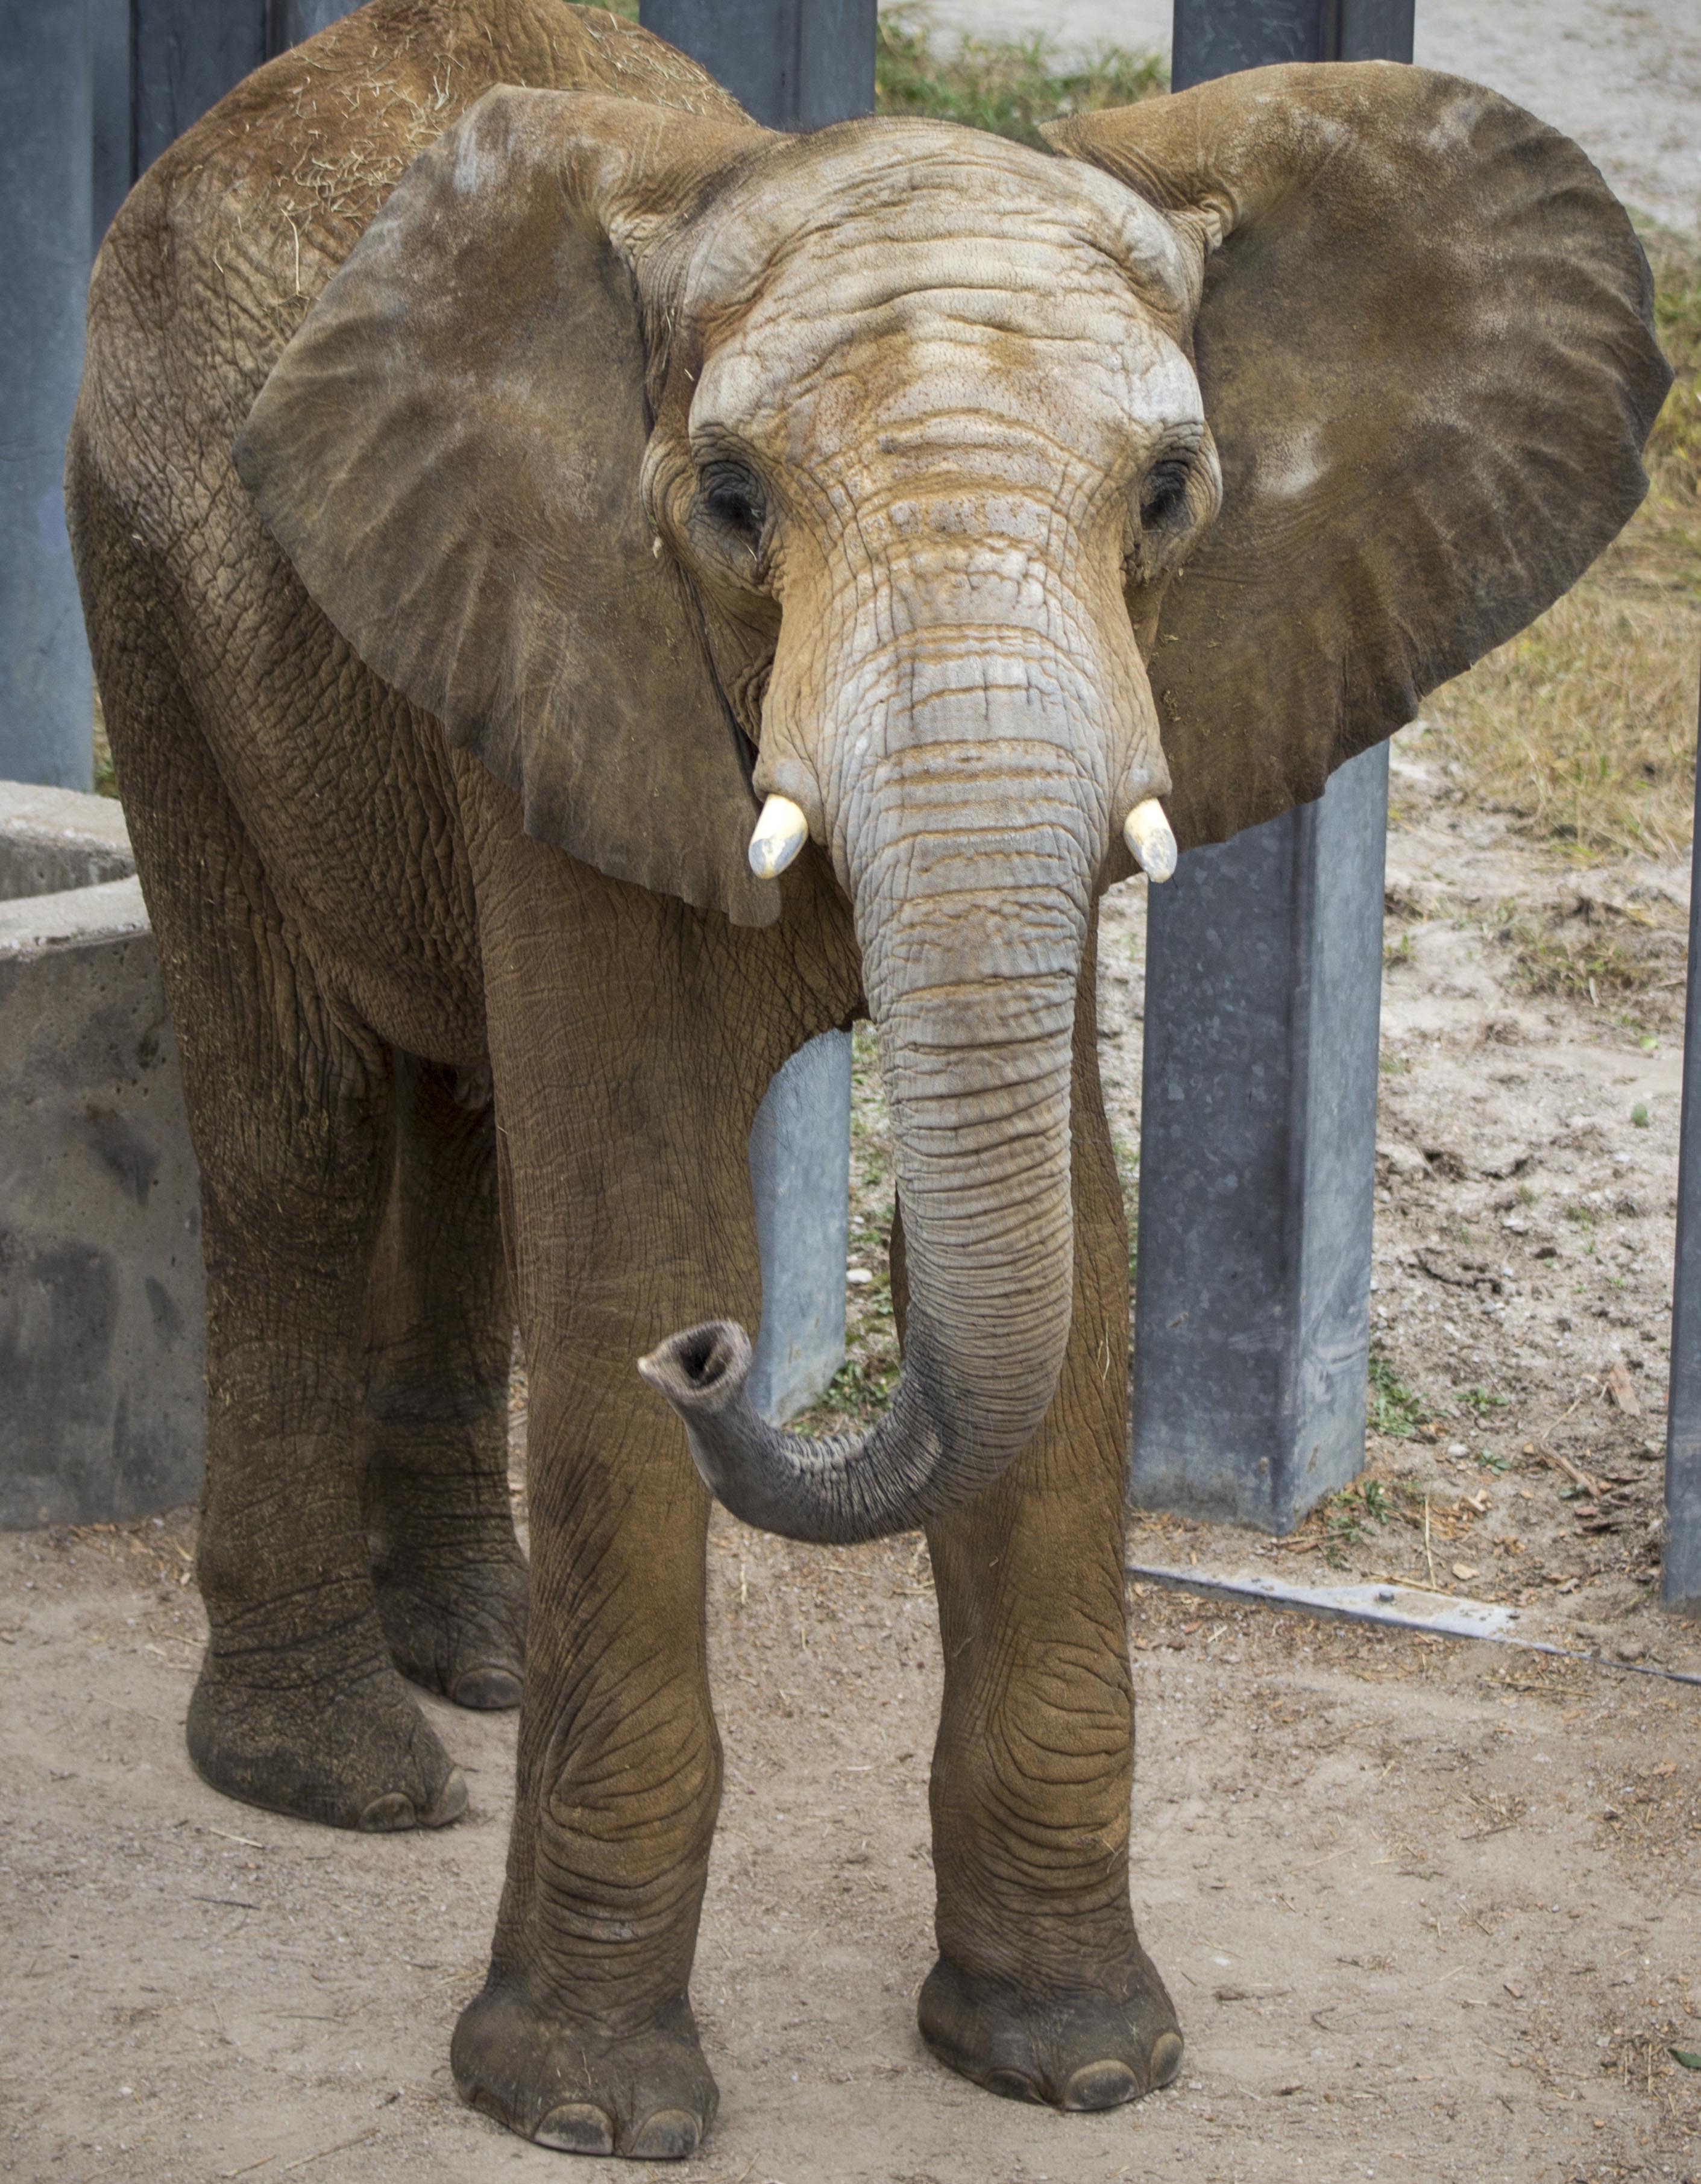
(1426, 353)
(449, 451)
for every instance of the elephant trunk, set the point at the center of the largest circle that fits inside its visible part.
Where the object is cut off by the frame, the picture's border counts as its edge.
(969, 841)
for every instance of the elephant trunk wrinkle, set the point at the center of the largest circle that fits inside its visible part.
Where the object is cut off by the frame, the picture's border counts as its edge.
(973, 990)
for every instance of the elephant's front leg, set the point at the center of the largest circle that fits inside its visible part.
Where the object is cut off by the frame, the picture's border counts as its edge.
(623, 1109)
(1042, 1990)
(584, 2036)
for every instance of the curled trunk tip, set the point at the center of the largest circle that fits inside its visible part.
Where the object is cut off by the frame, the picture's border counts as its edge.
(701, 1370)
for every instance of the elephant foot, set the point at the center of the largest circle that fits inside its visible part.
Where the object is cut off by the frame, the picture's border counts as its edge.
(457, 1624)
(648, 2096)
(357, 1754)
(1082, 2051)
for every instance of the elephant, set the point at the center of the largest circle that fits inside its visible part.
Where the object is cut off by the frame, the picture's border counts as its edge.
(588, 594)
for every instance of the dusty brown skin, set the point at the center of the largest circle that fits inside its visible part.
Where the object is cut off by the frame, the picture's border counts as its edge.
(637, 464)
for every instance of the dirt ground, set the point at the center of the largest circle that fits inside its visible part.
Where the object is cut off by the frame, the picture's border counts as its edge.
(1428, 1910)
(1527, 1151)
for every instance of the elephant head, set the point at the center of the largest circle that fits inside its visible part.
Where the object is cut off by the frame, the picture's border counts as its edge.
(963, 502)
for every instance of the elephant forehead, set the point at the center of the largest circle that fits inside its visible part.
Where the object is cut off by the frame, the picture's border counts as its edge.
(807, 198)
(928, 349)
(904, 267)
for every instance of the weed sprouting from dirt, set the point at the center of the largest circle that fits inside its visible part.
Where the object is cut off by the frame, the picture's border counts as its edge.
(1597, 952)
(1394, 1408)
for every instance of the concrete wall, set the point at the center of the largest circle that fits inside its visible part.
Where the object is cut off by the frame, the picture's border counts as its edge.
(102, 1334)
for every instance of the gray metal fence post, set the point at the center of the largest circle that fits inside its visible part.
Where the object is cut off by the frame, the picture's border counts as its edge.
(46, 108)
(91, 92)
(289, 21)
(185, 54)
(1263, 1005)
(113, 122)
(1681, 1584)
(792, 64)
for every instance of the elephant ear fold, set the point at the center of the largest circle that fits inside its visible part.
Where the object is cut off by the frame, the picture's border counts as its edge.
(448, 452)
(1425, 347)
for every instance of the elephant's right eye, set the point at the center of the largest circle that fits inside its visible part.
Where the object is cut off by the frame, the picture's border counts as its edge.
(1164, 495)
(733, 498)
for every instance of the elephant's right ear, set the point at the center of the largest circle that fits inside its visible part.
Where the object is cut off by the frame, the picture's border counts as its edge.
(448, 452)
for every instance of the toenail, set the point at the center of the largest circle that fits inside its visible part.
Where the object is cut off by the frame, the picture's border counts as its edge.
(1104, 2085)
(1166, 2058)
(1012, 2085)
(488, 1687)
(670, 2135)
(575, 2127)
(387, 1815)
(451, 1801)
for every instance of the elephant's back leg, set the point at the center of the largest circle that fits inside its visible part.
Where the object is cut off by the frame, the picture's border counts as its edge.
(451, 1580)
(298, 1706)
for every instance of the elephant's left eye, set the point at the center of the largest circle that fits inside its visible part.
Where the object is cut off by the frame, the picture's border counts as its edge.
(733, 497)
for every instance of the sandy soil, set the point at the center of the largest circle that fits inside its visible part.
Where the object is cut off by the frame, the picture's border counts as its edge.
(1428, 1910)
(1624, 79)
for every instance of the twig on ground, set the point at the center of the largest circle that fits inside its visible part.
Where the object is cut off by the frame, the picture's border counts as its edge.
(341, 2146)
(1574, 1472)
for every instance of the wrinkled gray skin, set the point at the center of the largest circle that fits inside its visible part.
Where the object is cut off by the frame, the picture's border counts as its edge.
(473, 486)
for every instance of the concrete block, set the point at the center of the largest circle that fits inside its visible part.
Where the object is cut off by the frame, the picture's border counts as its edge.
(102, 1405)
(52, 839)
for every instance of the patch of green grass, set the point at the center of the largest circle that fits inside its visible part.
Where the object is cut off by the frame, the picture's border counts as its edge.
(1341, 1530)
(1394, 1408)
(1480, 1402)
(1006, 86)
(859, 1389)
(105, 773)
(853, 1396)
(1584, 964)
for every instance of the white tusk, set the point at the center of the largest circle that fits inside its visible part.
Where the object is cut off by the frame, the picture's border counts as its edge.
(781, 833)
(1147, 834)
